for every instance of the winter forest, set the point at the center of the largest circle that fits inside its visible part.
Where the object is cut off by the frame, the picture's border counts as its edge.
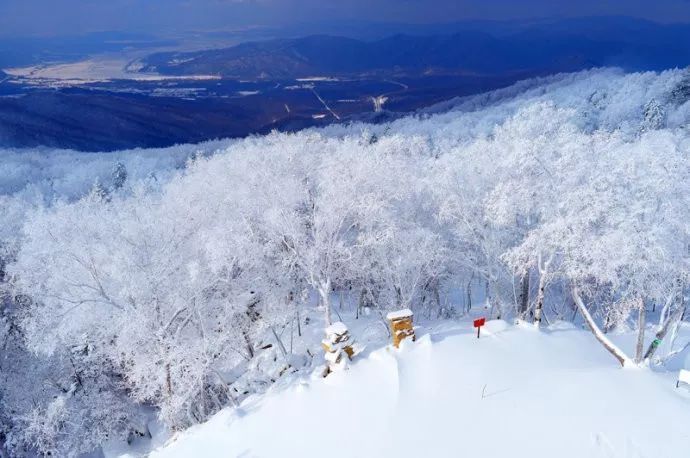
(170, 284)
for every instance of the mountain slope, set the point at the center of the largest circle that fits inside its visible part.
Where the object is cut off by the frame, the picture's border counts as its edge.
(554, 46)
(514, 392)
(595, 153)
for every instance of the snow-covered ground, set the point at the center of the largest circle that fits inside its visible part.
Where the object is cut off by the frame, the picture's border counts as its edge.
(94, 69)
(515, 392)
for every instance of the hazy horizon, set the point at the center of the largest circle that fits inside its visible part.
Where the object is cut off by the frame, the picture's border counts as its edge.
(69, 17)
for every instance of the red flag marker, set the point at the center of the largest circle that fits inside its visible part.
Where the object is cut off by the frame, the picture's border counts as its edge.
(478, 323)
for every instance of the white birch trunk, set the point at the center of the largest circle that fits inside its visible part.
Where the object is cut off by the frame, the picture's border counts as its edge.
(524, 295)
(664, 311)
(669, 323)
(325, 293)
(543, 276)
(281, 347)
(641, 324)
(540, 300)
(617, 353)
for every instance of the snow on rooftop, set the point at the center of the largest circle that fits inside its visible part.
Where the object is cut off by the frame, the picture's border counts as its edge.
(404, 313)
(338, 328)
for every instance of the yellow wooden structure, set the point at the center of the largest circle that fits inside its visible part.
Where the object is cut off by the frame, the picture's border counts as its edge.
(401, 326)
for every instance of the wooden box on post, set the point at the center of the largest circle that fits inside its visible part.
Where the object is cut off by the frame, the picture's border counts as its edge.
(401, 326)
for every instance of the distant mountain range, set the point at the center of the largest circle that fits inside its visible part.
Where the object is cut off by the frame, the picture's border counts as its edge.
(472, 48)
(359, 71)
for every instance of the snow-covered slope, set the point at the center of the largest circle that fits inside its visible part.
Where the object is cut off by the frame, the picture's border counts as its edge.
(516, 392)
(163, 287)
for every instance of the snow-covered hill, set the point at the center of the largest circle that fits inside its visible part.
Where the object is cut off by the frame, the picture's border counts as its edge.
(516, 392)
(156, 288)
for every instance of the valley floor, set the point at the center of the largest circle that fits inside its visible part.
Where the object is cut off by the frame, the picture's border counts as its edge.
(515, 392)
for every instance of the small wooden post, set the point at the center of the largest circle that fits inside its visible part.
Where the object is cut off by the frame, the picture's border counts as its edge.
(401, 326)
(336, 344)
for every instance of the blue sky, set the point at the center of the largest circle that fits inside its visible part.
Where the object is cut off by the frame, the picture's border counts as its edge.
(48, 17)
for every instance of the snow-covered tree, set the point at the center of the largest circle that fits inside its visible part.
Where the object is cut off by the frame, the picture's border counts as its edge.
(175, 287)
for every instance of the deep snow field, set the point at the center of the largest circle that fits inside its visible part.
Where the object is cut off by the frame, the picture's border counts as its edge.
(516, 392)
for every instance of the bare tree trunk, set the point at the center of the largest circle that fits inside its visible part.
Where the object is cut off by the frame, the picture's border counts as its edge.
(168, 380)
(252, 315)
(489, 299)
(325, 293)
(290, 301)
(540, 300)
(248, 342)
(574, 306)
(617, 353)
(661, 333)
(543, 277)
(281, 346)
(360, 302)
(299, 322)
(437, 296)
(641, 324)
(398, 297)
(664, 310)
(469, 293)
(674, 332)
(524, 294)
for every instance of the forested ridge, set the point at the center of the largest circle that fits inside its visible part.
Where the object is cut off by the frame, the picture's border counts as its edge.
(139, 283)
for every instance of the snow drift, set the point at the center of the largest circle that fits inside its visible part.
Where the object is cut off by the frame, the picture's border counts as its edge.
(514, 392)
